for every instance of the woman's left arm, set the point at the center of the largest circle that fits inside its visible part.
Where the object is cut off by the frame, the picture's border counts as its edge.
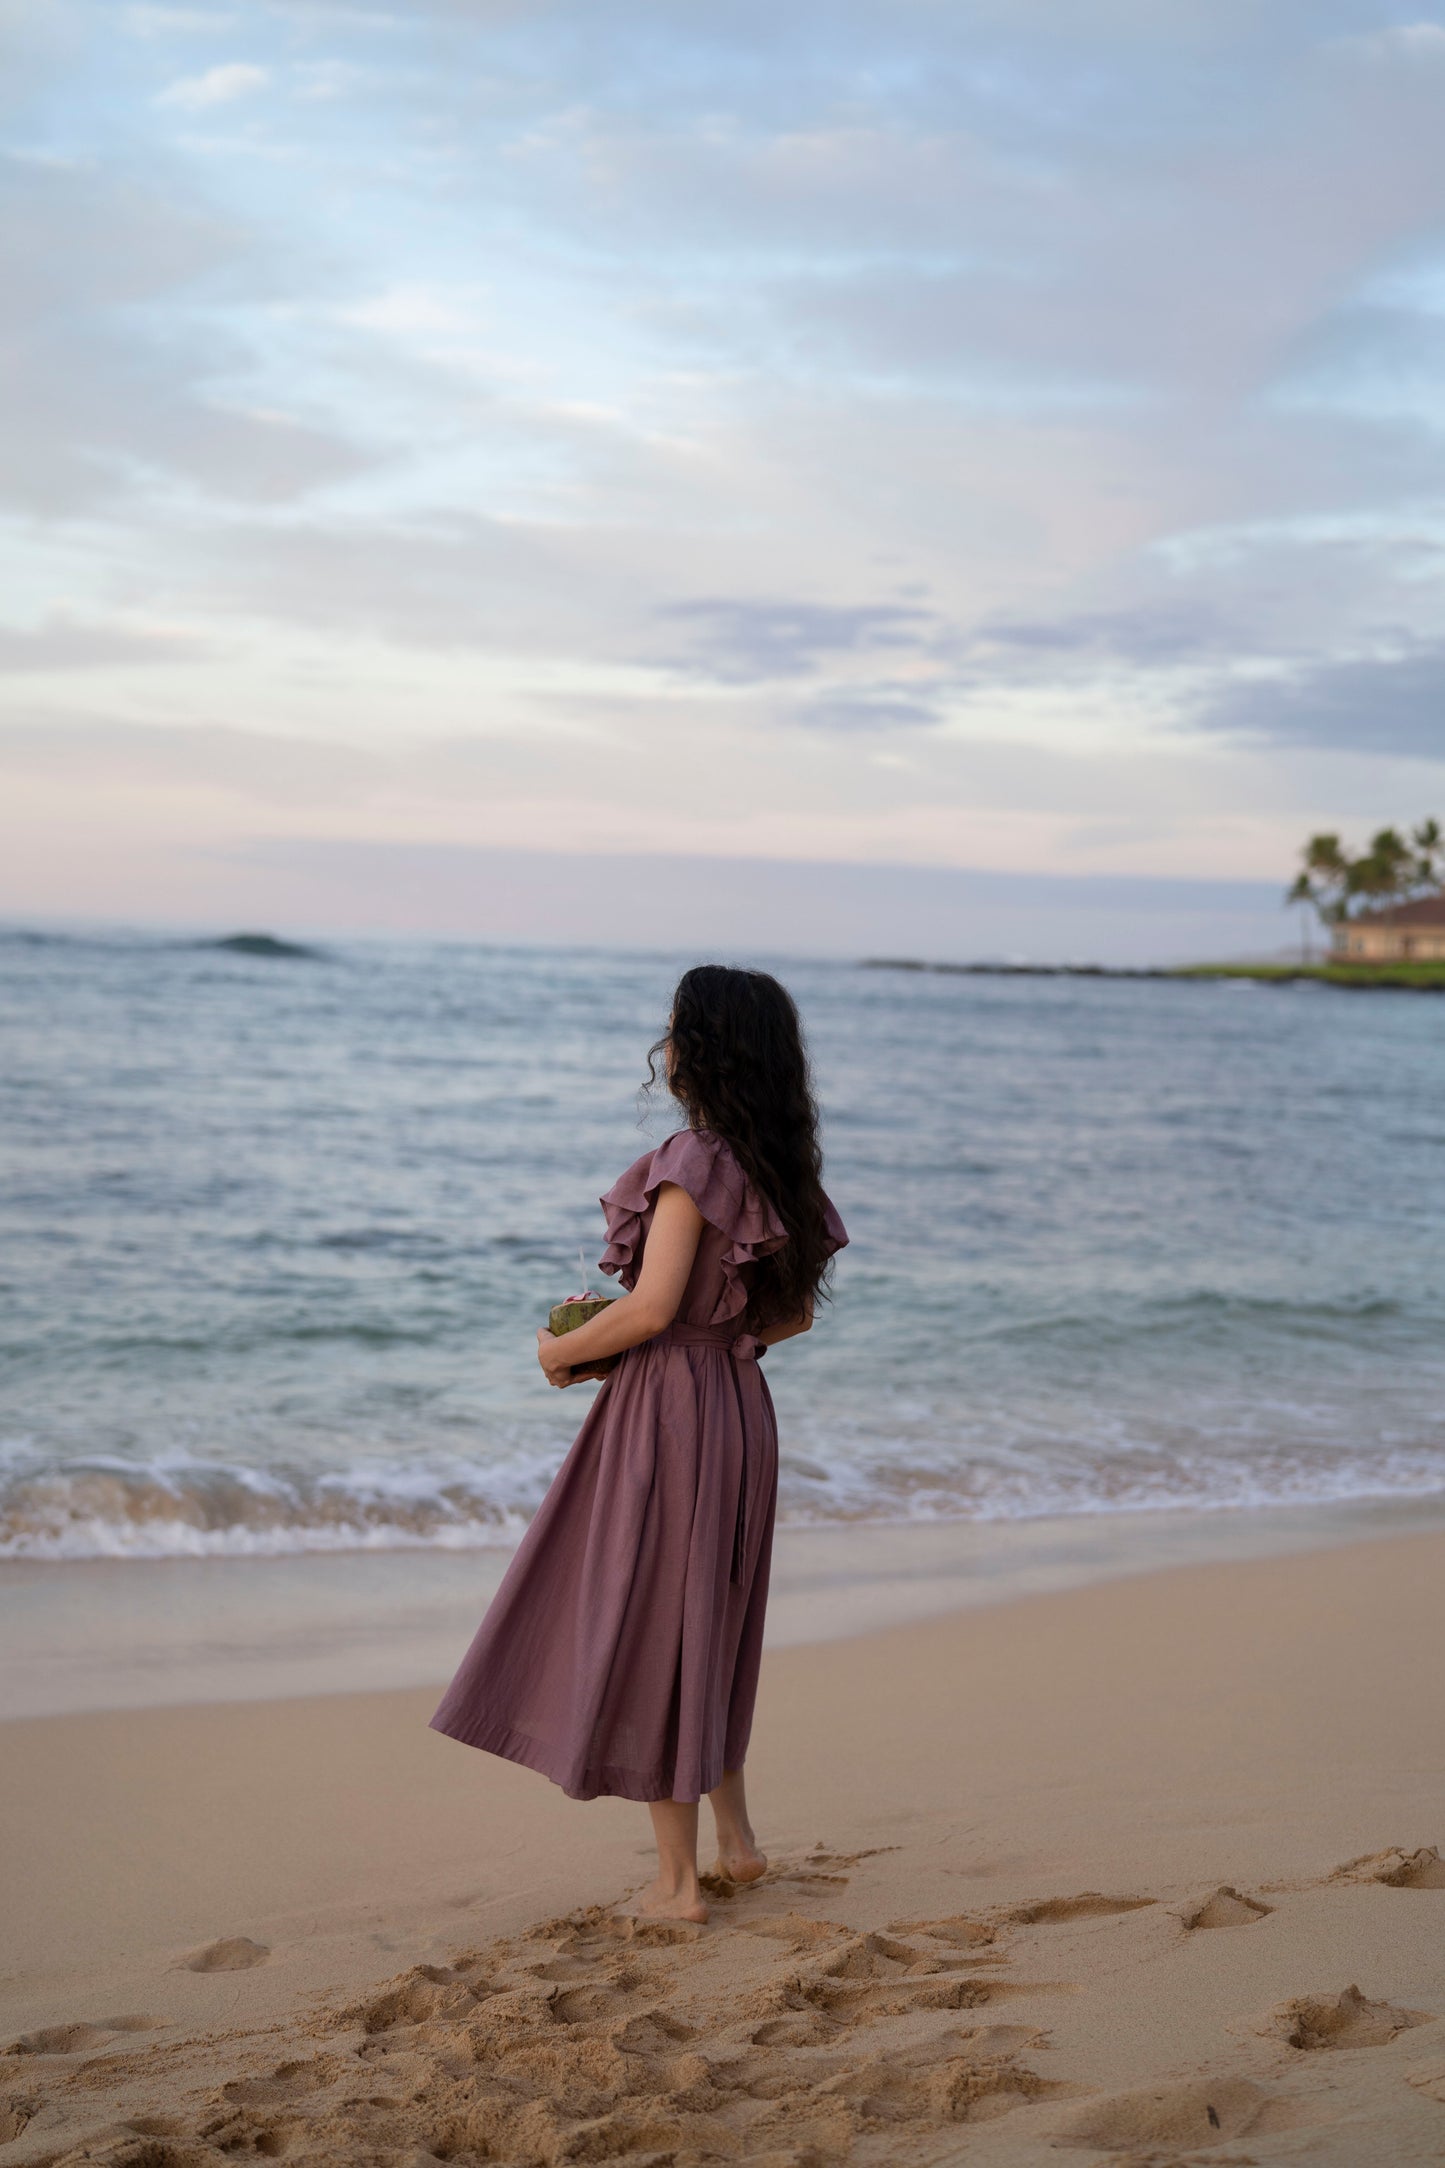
(667, 1262)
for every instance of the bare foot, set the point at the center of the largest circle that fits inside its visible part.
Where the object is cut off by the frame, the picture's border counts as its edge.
(741, 1863)
(660, 1902)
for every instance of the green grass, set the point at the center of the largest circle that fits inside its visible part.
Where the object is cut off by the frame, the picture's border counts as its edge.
(1421, 977)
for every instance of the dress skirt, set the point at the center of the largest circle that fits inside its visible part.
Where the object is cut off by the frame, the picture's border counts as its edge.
(621, 1653)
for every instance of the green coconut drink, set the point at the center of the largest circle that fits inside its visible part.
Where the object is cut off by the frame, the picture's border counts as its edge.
(565, 1317)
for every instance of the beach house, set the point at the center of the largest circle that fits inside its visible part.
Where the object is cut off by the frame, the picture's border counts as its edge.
(1410, 932)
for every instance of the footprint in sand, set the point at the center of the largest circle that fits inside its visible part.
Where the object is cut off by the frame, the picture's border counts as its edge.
(967, 2077)
(603, 1999)
(287, 2082)
(633, 2049)
(582, 1957)
(1223, 1907)
(875, 1975)
(80, 2039)
(237, 1953)
(16, 2114)
(958, 1931)
(1429, 2079)
(1347, 2020)
(653, 2032)
(822, 1856)
(1201, 2112)
(804, 2028)
(563, 1968)
(1088, 1905)
(1397, 1869)
(596, 1932)
(427, 1991)
(793, 1928)
(811, 2107)
(871, 1976)
(655, 1934)
(818, 1877)
(60, 2040)
(824, 1867)
(244, 2126)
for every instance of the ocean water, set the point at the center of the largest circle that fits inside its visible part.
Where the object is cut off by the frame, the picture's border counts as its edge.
(275, 1234)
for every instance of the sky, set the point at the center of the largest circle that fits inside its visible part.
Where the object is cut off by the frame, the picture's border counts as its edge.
(901, 467)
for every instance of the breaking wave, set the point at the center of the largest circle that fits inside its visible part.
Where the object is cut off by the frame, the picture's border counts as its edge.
(104, 1507)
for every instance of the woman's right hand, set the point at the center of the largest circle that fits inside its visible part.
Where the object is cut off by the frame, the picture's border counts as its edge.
(552, 1357)
(559, 1372)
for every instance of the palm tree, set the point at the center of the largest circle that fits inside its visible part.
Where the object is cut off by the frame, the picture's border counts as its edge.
(1385, 873)
(1391, 870)
(1324, 879)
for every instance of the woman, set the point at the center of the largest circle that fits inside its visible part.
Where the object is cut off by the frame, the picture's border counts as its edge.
(620, 1655)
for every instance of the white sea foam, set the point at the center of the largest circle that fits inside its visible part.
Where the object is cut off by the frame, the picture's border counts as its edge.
(112, 1509)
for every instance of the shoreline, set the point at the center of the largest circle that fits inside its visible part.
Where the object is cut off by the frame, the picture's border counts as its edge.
(88, 1635)
(332, 1934)
(1424, 977)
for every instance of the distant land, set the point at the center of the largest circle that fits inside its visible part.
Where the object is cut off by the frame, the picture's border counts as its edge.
(265, 945)
(1412, 978)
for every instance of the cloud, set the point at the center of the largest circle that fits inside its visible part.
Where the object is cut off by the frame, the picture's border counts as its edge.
(120, 420)
(869, 708)
(65, 643)
(1148, 634)
(161, 760)
(117, 370)
(822, 391)
(1422, 40)
(221, 85)
(1392, 704)
(740, 640)
(165, 22)
(743, 643)
(82, 239)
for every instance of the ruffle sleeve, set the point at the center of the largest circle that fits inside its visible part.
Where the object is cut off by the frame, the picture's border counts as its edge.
(837, 1232)
(705, 1167)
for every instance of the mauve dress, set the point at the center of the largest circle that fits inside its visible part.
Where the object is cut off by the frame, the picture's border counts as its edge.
(620, 1654)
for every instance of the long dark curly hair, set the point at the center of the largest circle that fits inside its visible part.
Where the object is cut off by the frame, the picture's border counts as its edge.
(737, 1062)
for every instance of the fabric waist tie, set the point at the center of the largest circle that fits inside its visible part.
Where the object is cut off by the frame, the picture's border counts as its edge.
(743, 1347)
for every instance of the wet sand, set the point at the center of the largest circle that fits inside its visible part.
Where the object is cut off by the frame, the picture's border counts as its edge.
(121, 1634)
(1143, 1870)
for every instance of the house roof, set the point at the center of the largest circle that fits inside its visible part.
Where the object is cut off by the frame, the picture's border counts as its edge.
(1424, 911)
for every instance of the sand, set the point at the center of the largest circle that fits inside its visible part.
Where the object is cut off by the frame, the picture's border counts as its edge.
(1138, 1873)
